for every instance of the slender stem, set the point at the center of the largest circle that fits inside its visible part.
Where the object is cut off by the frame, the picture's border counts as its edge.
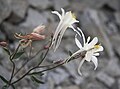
(29, 70)
(48, 68)
(28, 60)
(12, 71)
(45, 53)
(27, 73)
(20, 68)
(23, 75)
(35, 66)
(13, 55)
(11, 59)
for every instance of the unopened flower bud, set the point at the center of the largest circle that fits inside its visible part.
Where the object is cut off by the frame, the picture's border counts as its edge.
(3, 43)
(46, 47)
(39, 29)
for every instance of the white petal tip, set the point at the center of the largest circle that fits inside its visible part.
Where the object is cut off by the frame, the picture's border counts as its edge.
(80, 73)
(95, 68)
(77, 21)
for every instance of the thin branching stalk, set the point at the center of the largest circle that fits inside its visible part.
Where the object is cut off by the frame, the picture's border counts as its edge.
(35, 66)
(28, 60)
(11, 59)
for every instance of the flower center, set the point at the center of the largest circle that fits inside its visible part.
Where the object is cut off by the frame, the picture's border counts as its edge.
(73, 15)
(97, 46)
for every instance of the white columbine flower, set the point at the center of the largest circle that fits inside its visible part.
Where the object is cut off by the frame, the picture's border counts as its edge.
(66, 20)
(91, 49)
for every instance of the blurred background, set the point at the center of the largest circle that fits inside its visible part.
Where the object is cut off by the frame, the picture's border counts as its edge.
(99, 18)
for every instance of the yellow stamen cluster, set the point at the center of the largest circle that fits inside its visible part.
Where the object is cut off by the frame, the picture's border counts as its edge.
(73, 15)
(97, 46)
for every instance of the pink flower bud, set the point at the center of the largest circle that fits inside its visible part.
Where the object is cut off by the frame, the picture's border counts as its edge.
(3, 43)
(46, 47)
(39, 29)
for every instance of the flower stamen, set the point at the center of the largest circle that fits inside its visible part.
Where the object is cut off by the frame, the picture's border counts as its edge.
(73, 15)
(97, 46)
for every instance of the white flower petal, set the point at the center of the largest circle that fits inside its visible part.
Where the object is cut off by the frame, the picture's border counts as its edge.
(77, 42)
(93, 42)
(57, 32)
(88, 55)
(80, 65)
(58, 14)
(96, 54)
(83, 36)
(66, 20)
(99, 49)
(63, 12)
(75, 30)
(60, 37)
(88, 39)
(95, 61)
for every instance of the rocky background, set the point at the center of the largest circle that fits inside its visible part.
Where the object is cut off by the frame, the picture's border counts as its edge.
(99, 18)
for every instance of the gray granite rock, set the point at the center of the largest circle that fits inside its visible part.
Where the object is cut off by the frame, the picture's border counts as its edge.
(19, 10)
(49, 16)
(69, 33)
(71, 67)
(95, 85)
(34, 19)
(71, 87)
(4, 9)
(113, 68)
(78, 6)
(69, 45)
(94, 3)
(56, 56)
(105, 79)
(117, 17)
(40, 4)
(115, 41)
(115, 4)
(59, 75)
(5, 73)
(9, 30)
(58, 4)
(48, 85)
(112, 28)
(2, 36)
(119, 83)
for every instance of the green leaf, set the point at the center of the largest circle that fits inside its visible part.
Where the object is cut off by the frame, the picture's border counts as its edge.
(34, 79)
(6, 50)
(3, 79)
(17, 55)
